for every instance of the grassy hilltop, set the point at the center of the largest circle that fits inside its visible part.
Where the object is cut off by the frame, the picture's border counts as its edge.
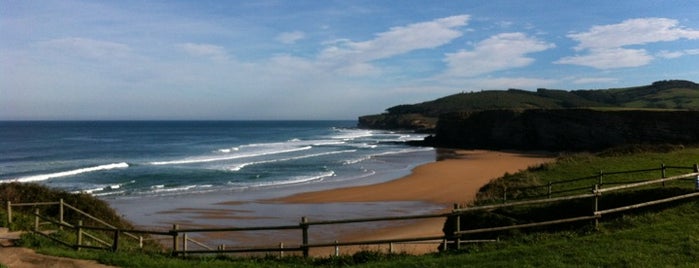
(669, 94)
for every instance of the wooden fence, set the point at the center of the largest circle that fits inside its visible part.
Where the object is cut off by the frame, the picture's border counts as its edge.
(557, 188)
(181, 240)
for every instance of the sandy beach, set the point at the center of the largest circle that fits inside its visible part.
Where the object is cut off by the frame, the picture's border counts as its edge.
(455, 179)
(430, 188)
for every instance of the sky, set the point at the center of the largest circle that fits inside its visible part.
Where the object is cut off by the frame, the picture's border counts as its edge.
(314, 60)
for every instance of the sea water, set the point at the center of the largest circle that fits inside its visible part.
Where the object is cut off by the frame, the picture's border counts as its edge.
(136, 159)
(216, 173)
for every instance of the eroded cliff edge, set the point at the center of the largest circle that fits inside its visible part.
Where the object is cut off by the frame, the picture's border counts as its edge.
(564, 129)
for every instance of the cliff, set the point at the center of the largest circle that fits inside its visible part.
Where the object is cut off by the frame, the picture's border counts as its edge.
(411, 121)
(564, 129)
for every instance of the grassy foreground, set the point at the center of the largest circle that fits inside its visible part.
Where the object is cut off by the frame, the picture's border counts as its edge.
(661, 237)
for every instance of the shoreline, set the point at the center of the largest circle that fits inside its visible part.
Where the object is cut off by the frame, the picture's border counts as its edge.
(455, 176)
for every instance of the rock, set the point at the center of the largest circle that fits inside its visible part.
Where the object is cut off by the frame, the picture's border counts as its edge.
(565, 129)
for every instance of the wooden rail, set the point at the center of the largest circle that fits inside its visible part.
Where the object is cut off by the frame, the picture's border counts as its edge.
(599, 178)
(61, 223)
(180, 237)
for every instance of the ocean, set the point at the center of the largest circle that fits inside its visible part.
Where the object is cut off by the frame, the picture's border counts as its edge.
(134, 159)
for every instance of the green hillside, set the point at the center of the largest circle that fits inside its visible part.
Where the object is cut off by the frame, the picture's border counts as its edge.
(668, 94)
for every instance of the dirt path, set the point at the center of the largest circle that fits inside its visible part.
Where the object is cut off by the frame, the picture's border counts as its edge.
(18, 257)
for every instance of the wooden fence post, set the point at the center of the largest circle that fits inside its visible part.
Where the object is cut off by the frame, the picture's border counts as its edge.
(696, 169)
(549, 189)
(60, 211)
(662, 172)
(337, 249)
(115, 245)
(504, 194)
(281, 251)
(599, 177)
(79, 235)
(36, 220)
(175, 234)
(9, 214)
(184, 245)
(596, 206)
(304, 236)
(457, 226)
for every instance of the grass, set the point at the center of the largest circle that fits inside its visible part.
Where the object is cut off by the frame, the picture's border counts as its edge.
(660, 95)
(663, 236)
(581, 165)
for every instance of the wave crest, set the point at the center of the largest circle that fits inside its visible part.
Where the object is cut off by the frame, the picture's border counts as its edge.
(43, 177)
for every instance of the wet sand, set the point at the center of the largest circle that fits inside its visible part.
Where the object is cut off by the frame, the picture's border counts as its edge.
(455, 179)
(430, 188)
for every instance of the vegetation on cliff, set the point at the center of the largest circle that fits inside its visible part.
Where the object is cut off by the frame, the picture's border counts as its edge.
(35, 193)
(668, 94)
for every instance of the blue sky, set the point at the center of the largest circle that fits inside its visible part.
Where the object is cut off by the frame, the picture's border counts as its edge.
(269, 59)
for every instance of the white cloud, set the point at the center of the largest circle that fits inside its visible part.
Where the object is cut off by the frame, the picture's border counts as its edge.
(633, 32)
(291, 37)
(676, 54)
(499, 52)
(396, 41)
(610, 58)
(87, 48)
(605, 44)
(204, 50)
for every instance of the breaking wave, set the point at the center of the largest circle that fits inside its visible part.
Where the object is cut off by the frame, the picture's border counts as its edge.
(43, 177)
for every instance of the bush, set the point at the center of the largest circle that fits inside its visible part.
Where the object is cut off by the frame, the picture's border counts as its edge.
(32, 193)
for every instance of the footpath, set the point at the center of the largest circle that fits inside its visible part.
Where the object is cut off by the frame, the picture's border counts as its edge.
(13, 256)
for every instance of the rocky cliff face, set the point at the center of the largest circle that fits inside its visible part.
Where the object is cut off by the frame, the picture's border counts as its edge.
(564, 129)
(414, 122)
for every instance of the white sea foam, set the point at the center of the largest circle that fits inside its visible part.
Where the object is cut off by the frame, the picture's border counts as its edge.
(163, 190)
(401, 151)
(297, 180)
(352, 134)
(104, 188)
(43, 177)
(231, 157)
(228, 150)
(400, 137)
(405, 151)
(327, 142)
(109, 193)
(174, 189)
(90, 191)
(356, 160)
(240, 166)
(364, 145)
